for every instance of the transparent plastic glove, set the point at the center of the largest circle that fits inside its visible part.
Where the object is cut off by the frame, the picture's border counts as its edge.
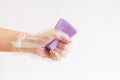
(37, 43)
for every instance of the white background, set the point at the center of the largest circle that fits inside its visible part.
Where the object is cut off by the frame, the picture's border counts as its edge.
(94, 53)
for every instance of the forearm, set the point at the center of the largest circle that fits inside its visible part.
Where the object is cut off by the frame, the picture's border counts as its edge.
(7, 37)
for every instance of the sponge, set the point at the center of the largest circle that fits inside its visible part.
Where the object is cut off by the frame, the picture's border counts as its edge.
(65, 27)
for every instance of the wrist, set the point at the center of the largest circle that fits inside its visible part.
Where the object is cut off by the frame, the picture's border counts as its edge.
(18, 43)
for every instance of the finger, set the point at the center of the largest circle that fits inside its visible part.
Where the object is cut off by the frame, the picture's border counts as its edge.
(60, 52)
(61, 45)
(50, 54)
(44, 38)
(48, 36)
(54, 55)
(54, 33)
(63, 37)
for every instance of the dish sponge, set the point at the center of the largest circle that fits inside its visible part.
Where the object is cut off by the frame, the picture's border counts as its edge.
(65, 27)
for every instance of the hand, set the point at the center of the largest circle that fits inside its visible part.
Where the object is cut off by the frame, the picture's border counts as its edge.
(42, 39)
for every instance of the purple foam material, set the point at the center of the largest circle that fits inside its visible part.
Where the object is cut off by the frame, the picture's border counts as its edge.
(65, 27)
(52, 45)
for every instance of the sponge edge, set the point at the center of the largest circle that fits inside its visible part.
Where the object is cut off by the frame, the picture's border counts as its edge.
(52, 45)
(65, 27)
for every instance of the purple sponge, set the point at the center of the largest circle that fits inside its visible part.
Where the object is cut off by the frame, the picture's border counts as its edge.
(65, 27)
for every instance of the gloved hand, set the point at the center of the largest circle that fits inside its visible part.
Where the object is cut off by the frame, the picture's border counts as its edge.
(37, 44)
